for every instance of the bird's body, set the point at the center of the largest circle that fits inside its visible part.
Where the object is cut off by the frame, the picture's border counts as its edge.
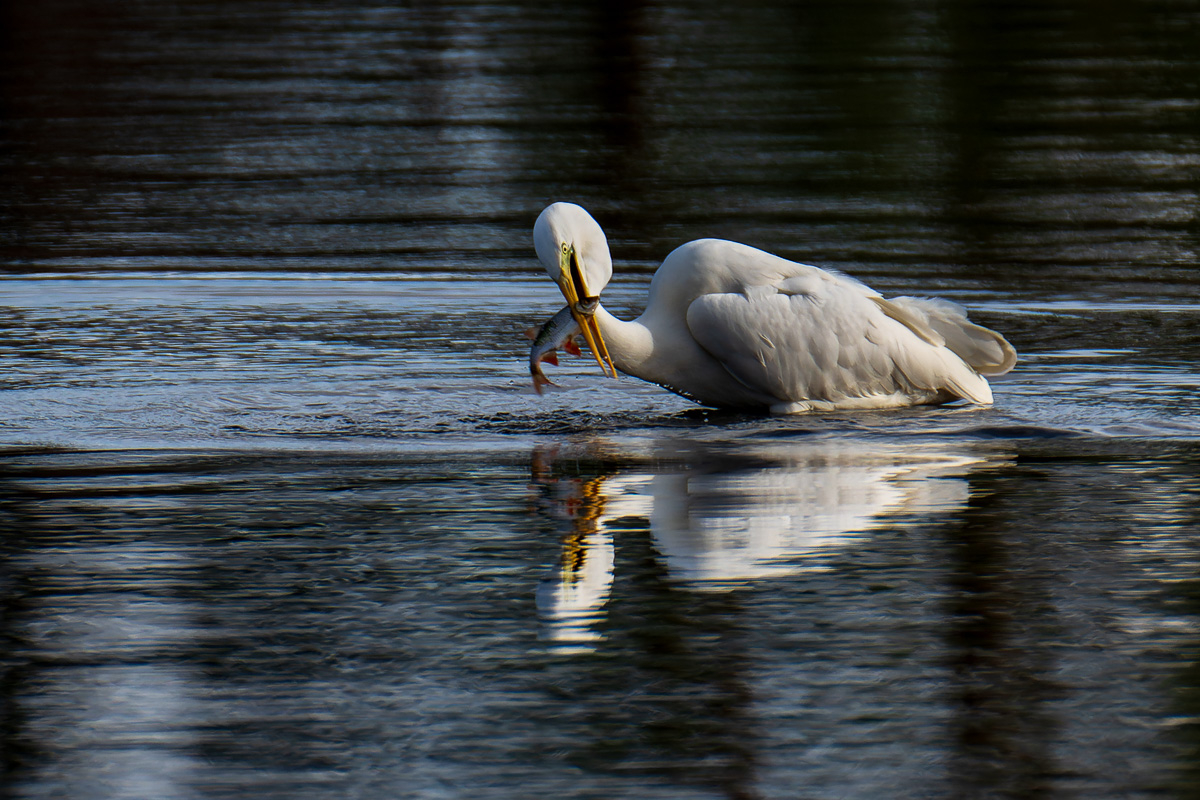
(731, 326)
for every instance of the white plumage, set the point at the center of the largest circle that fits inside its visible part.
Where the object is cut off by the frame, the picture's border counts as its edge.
(731, 326)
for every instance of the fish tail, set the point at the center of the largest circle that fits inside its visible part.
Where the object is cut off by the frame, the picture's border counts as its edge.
(540, 380)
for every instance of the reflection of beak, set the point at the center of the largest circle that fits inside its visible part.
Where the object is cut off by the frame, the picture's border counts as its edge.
(583, 307)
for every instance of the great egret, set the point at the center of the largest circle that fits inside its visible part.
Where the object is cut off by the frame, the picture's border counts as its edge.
(730, 326)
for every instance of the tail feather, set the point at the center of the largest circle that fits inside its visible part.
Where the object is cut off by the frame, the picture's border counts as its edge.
(986, 351)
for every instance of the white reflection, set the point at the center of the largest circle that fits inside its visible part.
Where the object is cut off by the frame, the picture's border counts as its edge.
(114, 731)
(571, 598)
(108, 717)
(718, 526)
(719, 517)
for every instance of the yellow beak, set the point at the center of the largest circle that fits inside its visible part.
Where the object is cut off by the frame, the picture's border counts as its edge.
(574, 289)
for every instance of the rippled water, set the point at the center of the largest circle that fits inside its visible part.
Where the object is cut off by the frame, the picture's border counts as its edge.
(282, 517)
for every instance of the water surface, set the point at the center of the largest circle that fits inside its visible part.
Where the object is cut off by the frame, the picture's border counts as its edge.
(282, 517)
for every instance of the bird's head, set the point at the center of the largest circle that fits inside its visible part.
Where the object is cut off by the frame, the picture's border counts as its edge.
(574, 251)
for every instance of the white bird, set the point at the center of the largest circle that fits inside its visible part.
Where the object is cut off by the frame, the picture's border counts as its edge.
(730, 326)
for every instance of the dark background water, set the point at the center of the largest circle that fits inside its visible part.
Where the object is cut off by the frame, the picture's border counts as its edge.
(1004, 141)
(281, 517)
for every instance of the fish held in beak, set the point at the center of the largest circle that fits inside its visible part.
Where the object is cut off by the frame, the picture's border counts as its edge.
(557, 332)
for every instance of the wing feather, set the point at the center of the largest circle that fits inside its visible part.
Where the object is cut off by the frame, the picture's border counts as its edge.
(819, 337)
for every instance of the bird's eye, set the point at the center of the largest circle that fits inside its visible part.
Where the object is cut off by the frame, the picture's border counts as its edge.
(566, 248)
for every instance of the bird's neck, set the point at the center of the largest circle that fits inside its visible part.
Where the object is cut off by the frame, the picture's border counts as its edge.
(630, 344)
(658, 347)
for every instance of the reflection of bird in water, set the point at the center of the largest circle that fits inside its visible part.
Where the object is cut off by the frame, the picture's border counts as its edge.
(730, 326)
(571, 597)
(723, 524)
(718, 521)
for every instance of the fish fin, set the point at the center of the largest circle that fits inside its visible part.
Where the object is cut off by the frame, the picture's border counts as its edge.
(539, 381)
(572, 347)
(550, 357)
(531, 333)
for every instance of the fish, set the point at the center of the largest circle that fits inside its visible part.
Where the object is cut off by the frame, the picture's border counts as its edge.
(558, 332)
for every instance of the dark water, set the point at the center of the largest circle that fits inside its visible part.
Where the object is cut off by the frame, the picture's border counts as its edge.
(281, 516)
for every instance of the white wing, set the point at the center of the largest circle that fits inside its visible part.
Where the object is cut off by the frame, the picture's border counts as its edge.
(817, 336)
